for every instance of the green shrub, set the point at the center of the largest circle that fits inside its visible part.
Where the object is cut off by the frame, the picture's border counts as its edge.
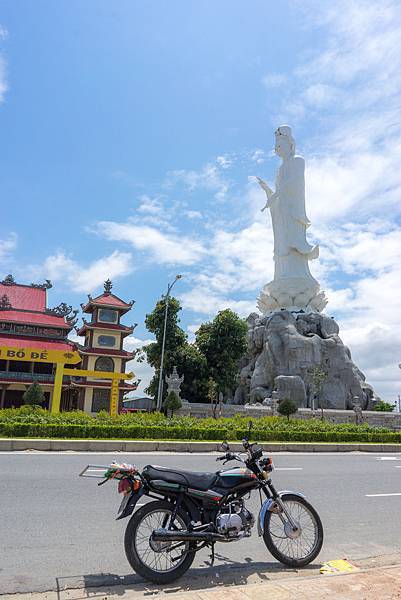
(34, 395)
(101, 431)
(287, 407)
(29, 422)
(382, 406)
(171, 404)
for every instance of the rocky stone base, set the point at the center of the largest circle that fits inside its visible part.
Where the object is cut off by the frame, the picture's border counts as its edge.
(283, 350)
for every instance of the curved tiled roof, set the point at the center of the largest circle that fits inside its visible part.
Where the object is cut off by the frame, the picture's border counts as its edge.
(33, 318)
(24, 297)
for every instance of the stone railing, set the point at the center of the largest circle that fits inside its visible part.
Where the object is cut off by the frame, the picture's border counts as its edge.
(377, 419)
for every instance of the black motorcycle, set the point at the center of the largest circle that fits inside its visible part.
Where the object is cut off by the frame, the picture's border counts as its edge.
(193, 510)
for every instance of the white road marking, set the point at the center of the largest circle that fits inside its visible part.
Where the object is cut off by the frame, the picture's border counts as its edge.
(382, 495)
(387, 458)
(288, 468)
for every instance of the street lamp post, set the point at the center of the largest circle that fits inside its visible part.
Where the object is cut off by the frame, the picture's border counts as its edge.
(160, 388)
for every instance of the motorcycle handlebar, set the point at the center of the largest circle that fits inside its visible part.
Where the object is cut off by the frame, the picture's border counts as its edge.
(227, 456)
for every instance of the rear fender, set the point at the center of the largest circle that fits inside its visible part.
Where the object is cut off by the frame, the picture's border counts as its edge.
(130, 506)
(268, 506)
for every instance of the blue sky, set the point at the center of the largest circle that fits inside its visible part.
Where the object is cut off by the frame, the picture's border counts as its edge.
(130, 133)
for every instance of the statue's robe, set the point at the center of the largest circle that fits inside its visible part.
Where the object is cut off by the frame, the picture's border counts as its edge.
(291, 248)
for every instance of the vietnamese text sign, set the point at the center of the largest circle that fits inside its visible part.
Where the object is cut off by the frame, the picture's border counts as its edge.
(39, 355)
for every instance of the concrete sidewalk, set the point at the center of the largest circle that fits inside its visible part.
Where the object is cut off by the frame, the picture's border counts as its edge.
(374, 583)
(57, 445)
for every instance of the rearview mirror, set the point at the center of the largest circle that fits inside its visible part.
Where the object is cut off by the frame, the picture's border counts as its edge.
(225, 447)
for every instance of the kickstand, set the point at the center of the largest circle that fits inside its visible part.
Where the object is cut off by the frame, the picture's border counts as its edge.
(212, 554)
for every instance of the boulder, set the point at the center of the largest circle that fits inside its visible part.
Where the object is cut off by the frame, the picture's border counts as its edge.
(292, 387)
(284, 348)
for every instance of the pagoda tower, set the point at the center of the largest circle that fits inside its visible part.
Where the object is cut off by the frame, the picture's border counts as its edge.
(103, 349)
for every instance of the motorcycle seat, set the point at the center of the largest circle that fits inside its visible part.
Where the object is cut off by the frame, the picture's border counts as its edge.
(198, 481)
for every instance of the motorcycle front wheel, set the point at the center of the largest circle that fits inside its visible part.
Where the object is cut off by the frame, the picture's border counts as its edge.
(299, 548)
(159, 562)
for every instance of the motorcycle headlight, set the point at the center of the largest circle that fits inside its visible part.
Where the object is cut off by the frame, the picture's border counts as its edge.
(267, 464)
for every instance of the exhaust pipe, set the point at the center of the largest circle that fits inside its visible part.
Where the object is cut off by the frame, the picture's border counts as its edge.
(162, 535)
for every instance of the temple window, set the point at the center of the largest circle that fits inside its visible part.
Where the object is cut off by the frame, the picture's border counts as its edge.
(100, 400)
(107, 340)
(19, 366)
(104, 363)
(44, 368)
(106, 315)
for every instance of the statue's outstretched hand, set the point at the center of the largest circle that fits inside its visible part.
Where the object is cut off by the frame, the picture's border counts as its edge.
(269, 192)
(264, 186)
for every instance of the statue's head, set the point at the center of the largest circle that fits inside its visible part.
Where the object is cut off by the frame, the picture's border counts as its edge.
(285, 143)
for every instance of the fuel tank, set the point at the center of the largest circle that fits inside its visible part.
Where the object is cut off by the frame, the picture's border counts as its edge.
(238, 477)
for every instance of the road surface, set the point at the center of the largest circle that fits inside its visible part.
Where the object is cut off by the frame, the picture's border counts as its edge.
(59, 531)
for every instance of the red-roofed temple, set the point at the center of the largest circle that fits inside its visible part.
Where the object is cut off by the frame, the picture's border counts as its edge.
(27, 324)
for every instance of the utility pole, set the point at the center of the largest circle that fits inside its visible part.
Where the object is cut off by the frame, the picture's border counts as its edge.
(160, 387)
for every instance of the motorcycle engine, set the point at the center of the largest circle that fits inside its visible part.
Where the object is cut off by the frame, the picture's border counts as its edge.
(235, 520)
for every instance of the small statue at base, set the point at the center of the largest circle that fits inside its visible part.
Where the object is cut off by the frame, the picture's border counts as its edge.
(356, 407)
(174, 382)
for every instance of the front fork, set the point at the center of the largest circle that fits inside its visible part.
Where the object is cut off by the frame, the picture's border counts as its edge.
(275, 505)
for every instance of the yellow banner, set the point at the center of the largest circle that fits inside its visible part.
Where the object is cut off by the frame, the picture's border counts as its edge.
(39, 355)
(97, 374)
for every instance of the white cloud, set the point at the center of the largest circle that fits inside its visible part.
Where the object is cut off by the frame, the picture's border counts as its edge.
(258, 156)
(224, 161)
(274, 80)
(7, 245)
(150, 205)
(320, 94)
(163, 248)
(62, 268)
(208, 178)
(193, 214)
(202, 300)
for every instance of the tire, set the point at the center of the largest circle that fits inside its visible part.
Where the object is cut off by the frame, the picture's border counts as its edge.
(286, 554)
(133, 550)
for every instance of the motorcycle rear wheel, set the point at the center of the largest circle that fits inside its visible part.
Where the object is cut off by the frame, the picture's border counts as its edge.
(157, 566)
(301, 550)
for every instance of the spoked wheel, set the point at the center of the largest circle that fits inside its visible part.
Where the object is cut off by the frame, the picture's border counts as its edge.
(294, 548)
(160, 562)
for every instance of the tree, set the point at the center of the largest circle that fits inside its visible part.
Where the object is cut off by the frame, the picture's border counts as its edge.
(287, 407)
(212, 395)
(191, 363)
(319, 377)
(34, 395)
(175, 339)
(223, 342)
(171, 404)
(383, 406)
(215, 354)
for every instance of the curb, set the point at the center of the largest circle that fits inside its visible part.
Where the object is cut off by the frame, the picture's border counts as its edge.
(57, 445)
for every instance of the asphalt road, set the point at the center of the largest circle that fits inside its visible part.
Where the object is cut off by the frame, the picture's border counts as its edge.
(58, 530)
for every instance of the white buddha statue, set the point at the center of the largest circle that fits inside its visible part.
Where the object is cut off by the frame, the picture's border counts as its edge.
(293, 286)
